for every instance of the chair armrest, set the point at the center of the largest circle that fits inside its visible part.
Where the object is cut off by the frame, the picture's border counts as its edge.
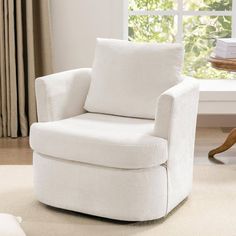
(176, 122)
(62, 95)
(177, 111)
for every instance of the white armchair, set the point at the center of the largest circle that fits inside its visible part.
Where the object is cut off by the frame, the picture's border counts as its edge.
(119, 167)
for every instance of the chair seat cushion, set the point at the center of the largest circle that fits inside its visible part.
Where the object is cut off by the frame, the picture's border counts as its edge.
(98, 139)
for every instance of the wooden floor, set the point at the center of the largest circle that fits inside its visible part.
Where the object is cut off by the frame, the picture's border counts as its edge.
(210, 138)
(18, 152)
(15, 151)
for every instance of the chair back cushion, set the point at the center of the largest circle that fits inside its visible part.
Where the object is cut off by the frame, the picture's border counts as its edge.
(128, 77)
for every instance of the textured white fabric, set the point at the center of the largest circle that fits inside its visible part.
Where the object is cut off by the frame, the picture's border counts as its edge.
(111, 166)
(99, 139)
(176, 122)
(62, 95)
(128, 77)
(133, 195)
(9, 226)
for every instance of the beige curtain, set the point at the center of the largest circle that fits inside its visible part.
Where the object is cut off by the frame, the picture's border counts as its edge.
(25, 54)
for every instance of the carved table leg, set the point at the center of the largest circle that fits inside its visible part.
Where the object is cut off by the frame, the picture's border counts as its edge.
(229, 142)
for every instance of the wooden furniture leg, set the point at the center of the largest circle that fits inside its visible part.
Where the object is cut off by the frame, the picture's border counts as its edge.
(229, 142)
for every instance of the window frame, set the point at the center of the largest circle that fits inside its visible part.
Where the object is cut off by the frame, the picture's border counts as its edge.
(180, 13)
(221, 100)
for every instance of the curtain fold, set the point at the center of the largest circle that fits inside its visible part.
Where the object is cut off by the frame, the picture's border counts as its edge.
(25, 54)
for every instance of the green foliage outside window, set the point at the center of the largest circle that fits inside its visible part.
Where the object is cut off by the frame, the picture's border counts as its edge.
(199, 32)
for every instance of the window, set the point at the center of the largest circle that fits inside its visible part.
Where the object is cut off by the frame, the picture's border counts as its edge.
(196, 23)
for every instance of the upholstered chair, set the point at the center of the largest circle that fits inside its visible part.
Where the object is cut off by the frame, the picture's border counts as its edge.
(117, 140)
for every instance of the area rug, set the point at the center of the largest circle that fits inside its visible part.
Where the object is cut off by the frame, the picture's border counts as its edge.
(209, 210)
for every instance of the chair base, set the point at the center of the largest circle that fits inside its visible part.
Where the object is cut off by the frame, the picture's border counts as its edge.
(121, 194)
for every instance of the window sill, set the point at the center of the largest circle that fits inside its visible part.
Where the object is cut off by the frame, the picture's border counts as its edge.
(217, 97)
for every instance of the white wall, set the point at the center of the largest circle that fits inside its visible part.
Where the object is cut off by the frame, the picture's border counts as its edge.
(77, 23)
